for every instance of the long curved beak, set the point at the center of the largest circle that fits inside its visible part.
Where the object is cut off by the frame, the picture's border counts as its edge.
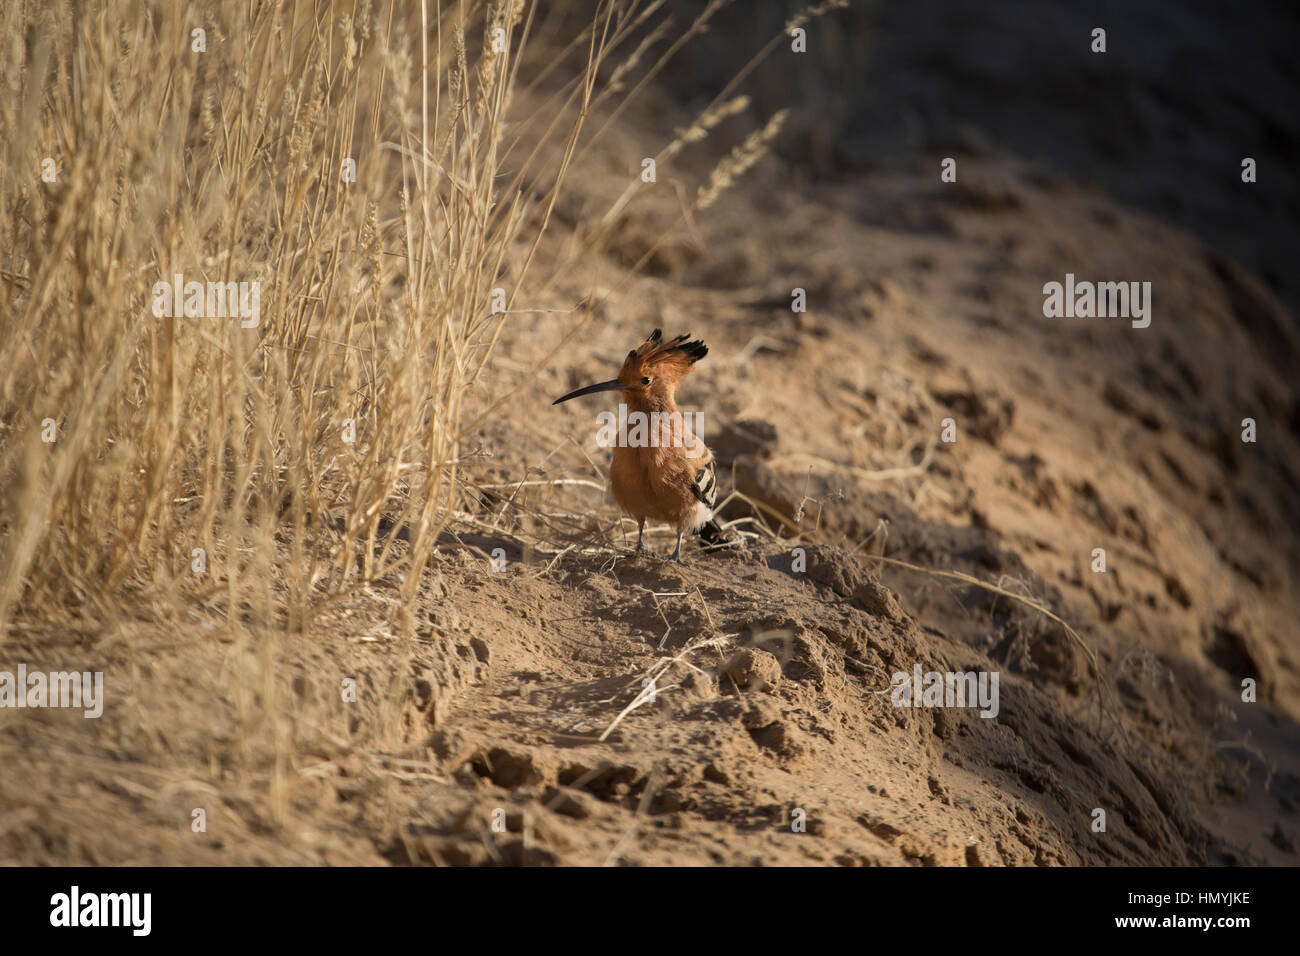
(613, 385)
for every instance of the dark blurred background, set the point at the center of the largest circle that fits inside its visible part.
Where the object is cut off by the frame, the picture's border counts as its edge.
(1161, 121)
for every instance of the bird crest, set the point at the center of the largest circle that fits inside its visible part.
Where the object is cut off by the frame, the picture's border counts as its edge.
(662, 360)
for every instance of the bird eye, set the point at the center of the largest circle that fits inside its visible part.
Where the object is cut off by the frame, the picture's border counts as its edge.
(646, 380)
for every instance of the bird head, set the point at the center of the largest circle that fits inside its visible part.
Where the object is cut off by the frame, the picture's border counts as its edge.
(652, 369)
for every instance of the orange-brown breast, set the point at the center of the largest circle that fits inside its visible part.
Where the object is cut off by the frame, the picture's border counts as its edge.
(656, 483)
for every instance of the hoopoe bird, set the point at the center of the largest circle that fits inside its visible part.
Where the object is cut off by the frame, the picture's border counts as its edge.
(667, 474)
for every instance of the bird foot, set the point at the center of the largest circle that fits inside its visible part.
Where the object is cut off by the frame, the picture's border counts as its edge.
(677, 551)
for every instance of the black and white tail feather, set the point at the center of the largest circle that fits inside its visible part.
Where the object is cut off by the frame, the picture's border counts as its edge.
(705, 488)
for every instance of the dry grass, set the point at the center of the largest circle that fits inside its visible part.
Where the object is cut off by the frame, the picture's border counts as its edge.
(187, 432)
(177, 433)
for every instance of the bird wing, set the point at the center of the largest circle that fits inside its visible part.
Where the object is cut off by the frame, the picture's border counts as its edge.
(705, 488)
(705, 484)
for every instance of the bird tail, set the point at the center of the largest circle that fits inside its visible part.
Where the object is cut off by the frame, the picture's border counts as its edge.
(713, 537)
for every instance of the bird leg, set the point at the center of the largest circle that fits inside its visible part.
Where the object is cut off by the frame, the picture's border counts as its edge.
(640, 535)
(677, 551)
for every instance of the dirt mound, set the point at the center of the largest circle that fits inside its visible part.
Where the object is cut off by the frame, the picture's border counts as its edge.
(763, 699)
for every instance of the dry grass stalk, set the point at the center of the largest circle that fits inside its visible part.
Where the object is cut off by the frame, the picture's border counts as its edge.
(182, 432)
(741, 159)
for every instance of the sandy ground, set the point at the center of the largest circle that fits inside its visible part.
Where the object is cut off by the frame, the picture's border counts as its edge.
(924, 303)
